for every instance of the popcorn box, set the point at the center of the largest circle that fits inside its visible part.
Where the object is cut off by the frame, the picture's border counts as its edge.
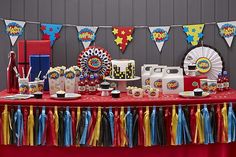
(70, 82)
(173, 80)
(145, 73)
(78, 72)
(54, 81)
(62, 76)
(156, 77)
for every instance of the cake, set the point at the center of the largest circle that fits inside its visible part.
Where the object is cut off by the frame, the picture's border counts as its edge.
(192, 66)
(105, 85)
(198, 92)
(115, 94)
(122, 69)
(38, 95)
(61, 94)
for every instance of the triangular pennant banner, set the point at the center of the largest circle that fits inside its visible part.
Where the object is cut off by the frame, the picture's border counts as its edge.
(227, 31)
(123, 36)
(159, 35)
(14, 29)
(194, 33)
(86, 35)
(51, 32)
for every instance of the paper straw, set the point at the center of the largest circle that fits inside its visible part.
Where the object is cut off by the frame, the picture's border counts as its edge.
(23, 72)
(29, 72)
(17, 74)
(39, 74)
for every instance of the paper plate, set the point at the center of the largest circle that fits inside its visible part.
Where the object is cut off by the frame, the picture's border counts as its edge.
(19, 97)
(208, 61)
(68, 96)
(95, 60)
(190, 94)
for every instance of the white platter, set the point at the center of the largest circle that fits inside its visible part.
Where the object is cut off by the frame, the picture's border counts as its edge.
(190, 94)
(19, 97)
(68, 96)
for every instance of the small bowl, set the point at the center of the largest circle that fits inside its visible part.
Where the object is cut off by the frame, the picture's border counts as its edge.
(115, 94)
(38, 95)
(192, 67)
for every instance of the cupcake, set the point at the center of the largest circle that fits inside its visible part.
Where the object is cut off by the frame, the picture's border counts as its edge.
(105, 85)
(115, 94)
(61, 94)
(192, 66)
(38, 95)
(198, 92)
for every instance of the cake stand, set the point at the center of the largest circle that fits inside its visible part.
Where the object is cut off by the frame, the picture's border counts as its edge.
(105, 92)
(122, 83)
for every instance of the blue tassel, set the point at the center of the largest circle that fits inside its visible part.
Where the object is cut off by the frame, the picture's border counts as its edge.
(231, 124)
(18, 119)
(153, 126)
(42, 127)
(182, 128)
(208, 136)
(68, 141)
(111, 121)
(129, 126)
(87, 120)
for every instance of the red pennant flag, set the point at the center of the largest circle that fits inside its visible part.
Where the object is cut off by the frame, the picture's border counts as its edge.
(123, 36)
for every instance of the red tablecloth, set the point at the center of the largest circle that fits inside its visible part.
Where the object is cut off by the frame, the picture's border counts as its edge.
(213, 150)
(124, 100)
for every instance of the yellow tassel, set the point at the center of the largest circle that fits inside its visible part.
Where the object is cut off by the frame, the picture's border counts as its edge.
(147, 127)
(30, 127)
(56, 121)
(123, 137)
(225, 123)
(6, 126)
(174, 123)
(78, 120)
(96, 131)
(199, 131)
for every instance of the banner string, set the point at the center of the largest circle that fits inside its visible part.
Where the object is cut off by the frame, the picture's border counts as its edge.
(71, 25)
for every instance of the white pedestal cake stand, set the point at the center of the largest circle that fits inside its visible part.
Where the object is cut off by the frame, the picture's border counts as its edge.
(122, 83)
(105, 92)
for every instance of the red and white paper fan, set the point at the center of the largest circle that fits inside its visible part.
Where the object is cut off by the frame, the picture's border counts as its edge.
(95, 60)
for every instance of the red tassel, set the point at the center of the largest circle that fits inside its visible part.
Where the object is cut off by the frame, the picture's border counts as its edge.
(192, 122)
(73, 119)
(50, 129)
(25, 120)
(168, 126)
(1, 133)
(116, 129)
(140, 128)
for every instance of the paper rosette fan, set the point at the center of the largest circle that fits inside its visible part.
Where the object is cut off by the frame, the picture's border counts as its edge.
(208, 61)
(95, 60)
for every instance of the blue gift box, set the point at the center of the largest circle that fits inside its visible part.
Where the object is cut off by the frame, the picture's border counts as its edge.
(39, 63)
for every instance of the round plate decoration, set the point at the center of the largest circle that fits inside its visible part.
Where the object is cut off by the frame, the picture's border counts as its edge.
(95, 60)
(208, 61)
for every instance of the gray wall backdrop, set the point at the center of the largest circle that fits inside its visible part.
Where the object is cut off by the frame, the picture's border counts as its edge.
(125, 13)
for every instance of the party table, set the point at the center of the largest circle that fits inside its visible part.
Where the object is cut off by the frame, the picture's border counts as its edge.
(124, 100)
(190, 150)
